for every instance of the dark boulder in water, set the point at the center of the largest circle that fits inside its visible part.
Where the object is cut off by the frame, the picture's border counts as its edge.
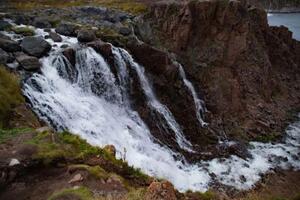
(3, 57)
(86, 36)
(101, 47)
(69, 53)
(35, 46)
(9, 45)
(4, 25)
(29, 63)
(41, 22)
(55, 37)
(67, 29)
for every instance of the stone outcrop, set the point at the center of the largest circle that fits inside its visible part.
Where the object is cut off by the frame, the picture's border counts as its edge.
(35, 46)
(55, 37)
(247, 71)
(29, 63)
(67, 29)
(86, 35)
(9, 45)
(160, 190)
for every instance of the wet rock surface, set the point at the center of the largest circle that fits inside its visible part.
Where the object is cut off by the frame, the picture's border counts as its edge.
(29, 63)
(9, 45)
(35, 46)
(232, 56)
(86, 35)
(67, 29)
(55, 37)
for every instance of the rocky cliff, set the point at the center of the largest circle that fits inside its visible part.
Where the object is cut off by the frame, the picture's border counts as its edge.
(247, 71)
(287, 6)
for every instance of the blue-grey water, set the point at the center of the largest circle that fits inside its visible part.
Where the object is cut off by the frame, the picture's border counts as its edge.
(290, 20)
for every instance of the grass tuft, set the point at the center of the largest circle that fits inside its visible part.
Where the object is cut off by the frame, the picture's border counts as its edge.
(11, 133)
(81, 193)
(129, 6)
(10, 94)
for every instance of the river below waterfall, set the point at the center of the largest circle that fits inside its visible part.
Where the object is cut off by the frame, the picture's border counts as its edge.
(290, 20)
(91, 101)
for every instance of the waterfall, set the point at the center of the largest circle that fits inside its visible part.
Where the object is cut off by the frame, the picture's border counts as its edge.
(199, 104)
(89, 100)
(155, 104)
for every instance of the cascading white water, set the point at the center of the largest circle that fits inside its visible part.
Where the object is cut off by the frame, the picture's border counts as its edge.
(155, 104)
(199, 104)
(67, 100)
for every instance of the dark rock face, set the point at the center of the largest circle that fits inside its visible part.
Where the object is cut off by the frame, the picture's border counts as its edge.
(288, 6)
(101, 47)
(2, 36)
(67, 29)
(35, 46)
(86, 36)
(125, 31)
(3, 57)
(9, 45)
(29, 63)
(41, 22)
(4, 25)
(55, 37)
(247, 71)
(69, 53)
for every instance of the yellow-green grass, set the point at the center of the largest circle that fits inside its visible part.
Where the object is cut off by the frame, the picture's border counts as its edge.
(129, 6)
(10, 94)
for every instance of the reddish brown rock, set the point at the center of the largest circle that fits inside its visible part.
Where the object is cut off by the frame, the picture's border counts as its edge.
(234, 59)
(69, 53)
(111, 149)
(160, 191)
(101, 47)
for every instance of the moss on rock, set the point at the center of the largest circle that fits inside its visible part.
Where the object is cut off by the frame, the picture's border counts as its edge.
(25, 31)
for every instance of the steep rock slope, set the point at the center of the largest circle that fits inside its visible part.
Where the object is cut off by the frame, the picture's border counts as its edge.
(247, 71)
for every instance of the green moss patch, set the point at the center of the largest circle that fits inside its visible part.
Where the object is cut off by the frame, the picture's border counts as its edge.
(11, 133)
(81, 193)
(112, 36)
(130, 6)
(52, 146)
(25, 31)
(95, 171)
(10, 94)
(136, 194)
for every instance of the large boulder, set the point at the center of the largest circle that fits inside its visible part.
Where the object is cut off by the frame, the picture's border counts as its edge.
(67, 29)
(3, 36)
(160, 190)
(29, 63)
(55, 37)
(3, 57)
(9, 45)
(69, 53)
(86, 35)
(41, 22)
(4, 25)
(101, 47)
(35, 46)
(125, 31)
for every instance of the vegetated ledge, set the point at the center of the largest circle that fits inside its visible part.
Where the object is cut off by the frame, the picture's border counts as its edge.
(43, 164)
